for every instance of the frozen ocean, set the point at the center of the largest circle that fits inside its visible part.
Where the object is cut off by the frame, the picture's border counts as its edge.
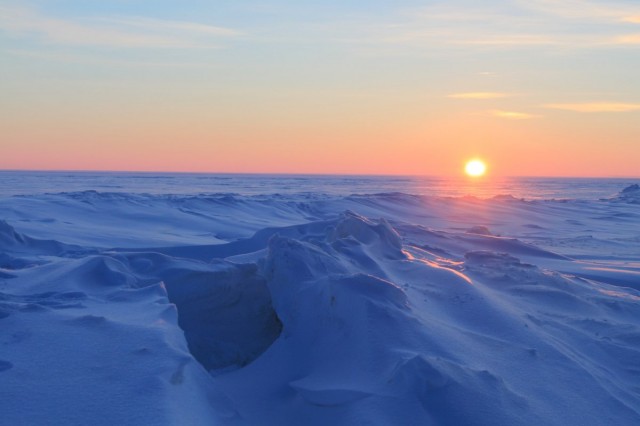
(198, 299)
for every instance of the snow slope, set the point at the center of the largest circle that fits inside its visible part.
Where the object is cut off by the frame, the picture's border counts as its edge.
(312, 309)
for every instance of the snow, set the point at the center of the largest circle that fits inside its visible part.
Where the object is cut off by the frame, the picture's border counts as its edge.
(631, 194)
(319, 309)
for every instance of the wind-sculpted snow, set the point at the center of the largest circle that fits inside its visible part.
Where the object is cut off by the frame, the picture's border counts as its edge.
(631, 194)
(388, 309)
(23, 244)
(225, 309)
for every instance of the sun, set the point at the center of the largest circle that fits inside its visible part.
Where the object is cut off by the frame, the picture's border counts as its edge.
(475, 168)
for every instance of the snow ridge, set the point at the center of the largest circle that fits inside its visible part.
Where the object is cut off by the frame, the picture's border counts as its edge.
(377, 310)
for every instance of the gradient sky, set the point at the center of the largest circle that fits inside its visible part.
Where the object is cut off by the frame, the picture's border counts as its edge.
(535, 87)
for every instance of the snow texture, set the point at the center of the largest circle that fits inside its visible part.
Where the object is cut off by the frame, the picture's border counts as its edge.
(383, 309)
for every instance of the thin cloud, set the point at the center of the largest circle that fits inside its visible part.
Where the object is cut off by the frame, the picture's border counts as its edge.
(512, 115)
(609, 17)
(457, 25)
(156, 25)
(511, 40)
(627, 39)
(117, 32)
(478, 95)
(596, 107)
(54, 55)
(523, 24)
(584, 10)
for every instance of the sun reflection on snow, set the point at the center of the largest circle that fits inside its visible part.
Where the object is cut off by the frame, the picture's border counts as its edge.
(437, 266)
(619, 294)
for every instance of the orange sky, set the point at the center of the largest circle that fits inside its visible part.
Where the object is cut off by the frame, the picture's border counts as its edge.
(383, 90)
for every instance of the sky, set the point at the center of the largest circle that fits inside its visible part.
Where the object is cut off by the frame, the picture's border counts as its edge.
(533, 87)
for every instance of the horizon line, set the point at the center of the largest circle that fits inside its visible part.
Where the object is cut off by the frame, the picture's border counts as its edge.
(2, 170)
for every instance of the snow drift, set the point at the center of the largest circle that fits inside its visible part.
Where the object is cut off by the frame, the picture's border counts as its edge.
(380, 310)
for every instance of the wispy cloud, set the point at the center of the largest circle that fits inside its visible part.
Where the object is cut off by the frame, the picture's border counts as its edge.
(97, 59)
(478, 95)
(154, 25)
(596, 107)
(606, 19)
(134, 32)
(512, 115)
(517, 24)
(584, 10)
(627, 39)
(511, 40)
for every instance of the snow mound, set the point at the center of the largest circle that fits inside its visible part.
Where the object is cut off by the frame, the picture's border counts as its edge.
(224, 309)
(480, 230)
(10, 262)
(630, 194)
(367, 335)
(380, 235)
(236, 310)
(128, 348)
(13, 241)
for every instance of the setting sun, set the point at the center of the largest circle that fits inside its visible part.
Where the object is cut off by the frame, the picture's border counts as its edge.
(475, 168)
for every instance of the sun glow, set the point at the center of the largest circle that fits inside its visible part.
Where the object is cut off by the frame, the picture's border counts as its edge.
(475, 168)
